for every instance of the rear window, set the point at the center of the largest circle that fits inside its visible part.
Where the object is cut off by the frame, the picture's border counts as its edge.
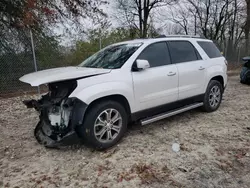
(182, 51)
(210, 48)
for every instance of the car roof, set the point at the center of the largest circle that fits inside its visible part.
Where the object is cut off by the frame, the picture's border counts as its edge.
(165, 38)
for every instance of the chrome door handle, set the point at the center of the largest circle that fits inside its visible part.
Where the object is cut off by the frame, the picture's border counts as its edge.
(171, 73)
(201, 68)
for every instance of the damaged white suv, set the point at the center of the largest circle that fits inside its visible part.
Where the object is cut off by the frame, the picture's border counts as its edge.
(142, 80)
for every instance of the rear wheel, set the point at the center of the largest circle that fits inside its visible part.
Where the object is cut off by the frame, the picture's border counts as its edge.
(104, 125)
(213, 96)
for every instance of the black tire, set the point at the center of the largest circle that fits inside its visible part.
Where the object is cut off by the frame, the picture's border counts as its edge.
(87, 132)
(207, 107)
(242, 82)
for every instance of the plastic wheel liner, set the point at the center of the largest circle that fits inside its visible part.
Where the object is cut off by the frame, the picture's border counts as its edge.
(59, 115)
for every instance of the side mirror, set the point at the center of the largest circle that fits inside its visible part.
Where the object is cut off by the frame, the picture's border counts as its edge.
(142, 64)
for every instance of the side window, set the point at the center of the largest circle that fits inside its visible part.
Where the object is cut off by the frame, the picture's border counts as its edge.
(157, 54)
(210, 48)
(198, 54)
(183, 51)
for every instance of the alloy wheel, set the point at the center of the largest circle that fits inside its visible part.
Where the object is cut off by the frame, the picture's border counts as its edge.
(214, 96)
(107, 125)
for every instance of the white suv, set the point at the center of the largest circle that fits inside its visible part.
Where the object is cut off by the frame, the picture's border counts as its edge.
(142, 80)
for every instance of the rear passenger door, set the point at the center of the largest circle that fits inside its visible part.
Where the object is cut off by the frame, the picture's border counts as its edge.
(191, 68)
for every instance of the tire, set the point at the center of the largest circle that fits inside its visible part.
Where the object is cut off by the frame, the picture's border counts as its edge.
(242, 82)
(98, 115)
(213, 86)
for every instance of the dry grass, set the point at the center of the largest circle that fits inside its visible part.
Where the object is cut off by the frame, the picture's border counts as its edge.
(215, 151)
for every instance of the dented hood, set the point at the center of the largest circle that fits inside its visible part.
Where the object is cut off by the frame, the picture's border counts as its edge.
(60, 74)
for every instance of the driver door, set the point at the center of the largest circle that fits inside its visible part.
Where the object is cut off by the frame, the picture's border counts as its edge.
(157, 85)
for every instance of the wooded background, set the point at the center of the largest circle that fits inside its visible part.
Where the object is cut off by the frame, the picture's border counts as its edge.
(87, 25)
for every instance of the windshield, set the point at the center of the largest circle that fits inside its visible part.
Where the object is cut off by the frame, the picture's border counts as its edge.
(111, 57)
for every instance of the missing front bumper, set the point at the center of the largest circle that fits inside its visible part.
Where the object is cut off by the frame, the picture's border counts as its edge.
(45, 136)
(54, 135)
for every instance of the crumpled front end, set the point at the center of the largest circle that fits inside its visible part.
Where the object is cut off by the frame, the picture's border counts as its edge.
(59, 115)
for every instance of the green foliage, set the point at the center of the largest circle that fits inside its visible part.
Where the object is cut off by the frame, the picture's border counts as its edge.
(84, 49)
(118, 35)
(48, 52)
(19, 17)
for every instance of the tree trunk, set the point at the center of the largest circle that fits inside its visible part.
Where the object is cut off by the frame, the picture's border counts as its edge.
(145, 18)
(247, 27)
(195, 24)
(140, 18)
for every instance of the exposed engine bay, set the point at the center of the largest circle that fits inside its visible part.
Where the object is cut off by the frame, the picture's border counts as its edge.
(56, 113)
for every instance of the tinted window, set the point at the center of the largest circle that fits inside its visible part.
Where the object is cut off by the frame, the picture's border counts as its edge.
(211, 50)
(198, 55)
(157, 54)
(182, 51)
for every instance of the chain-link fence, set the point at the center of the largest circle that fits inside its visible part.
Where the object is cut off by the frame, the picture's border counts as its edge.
(16, 62)
(50, 54)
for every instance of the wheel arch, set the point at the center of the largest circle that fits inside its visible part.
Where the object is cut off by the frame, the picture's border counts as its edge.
(220, 79)
(115, 97)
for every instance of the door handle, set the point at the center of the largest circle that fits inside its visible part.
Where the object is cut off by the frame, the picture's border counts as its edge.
(201, 68)
(171, 73)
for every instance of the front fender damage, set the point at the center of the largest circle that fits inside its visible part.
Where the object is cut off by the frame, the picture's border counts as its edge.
(59, 115)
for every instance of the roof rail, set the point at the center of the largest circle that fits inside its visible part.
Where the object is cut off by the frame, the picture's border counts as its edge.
(173, 36)
(181, 36)
(161, 36)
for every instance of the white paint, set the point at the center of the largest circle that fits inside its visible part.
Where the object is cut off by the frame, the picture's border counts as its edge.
(144, 89)
(142, 64)
(59, 74)
(153, 86)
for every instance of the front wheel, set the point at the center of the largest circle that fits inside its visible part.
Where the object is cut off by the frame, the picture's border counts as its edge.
(104, 125)
(213, 96)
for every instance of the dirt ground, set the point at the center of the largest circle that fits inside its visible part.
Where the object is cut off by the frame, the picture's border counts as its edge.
(215, 151)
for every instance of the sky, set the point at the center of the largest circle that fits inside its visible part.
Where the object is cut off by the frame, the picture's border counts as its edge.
(68, 38)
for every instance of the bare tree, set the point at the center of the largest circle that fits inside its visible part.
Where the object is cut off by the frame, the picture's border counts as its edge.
(247, 25)
(211, 16)
(181, 16)
(136, 13)
(222, 21)
(19, 16)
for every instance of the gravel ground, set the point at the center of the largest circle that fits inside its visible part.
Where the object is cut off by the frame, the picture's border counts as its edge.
(215, 151)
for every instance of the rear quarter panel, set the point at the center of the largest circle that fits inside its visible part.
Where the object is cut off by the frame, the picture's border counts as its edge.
(216, 67)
